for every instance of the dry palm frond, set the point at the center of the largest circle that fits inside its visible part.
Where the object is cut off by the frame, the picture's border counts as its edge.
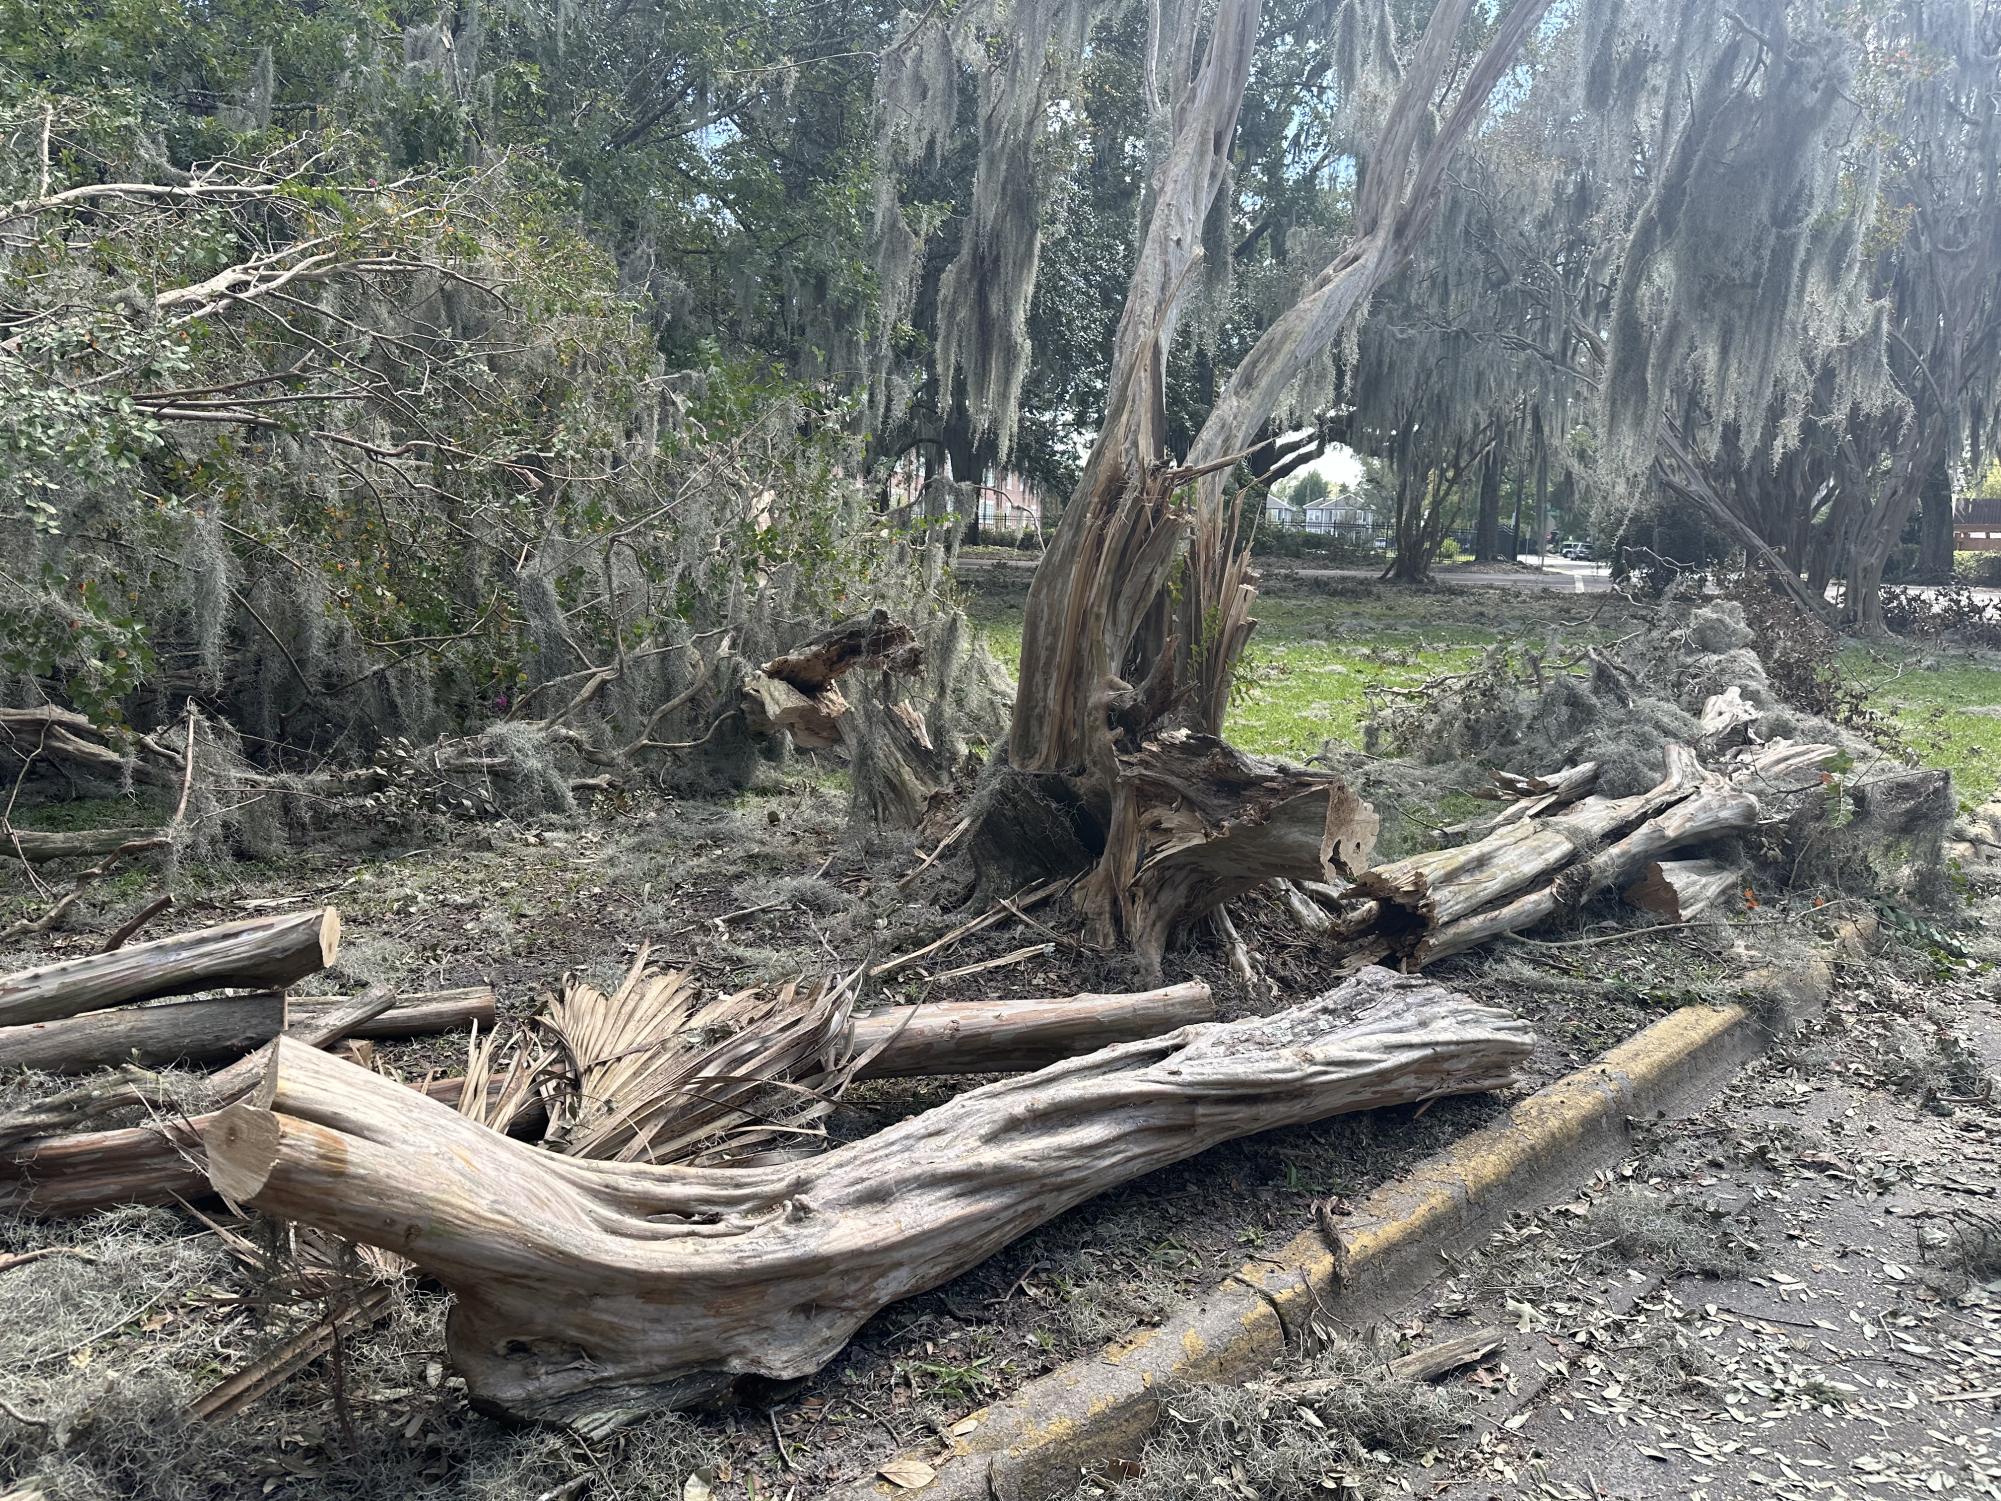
(657, 1074)
(498, 1094)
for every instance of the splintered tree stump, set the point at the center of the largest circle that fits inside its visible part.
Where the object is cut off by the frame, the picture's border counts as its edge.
(1197, 823)
(1000, 1037)
(221, 1027)
(796, 694)
(586, 1290)
(266, 953)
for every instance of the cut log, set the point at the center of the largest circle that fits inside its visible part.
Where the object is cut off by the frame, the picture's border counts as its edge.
(1677, 890)
(998, 1037)
(1197, 823)
(256, 953)
(588, 1290)
(135, 1088)
(38, 846)
(52, 1177)
(223, 1027)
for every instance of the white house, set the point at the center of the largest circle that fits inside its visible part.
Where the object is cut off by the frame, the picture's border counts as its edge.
(1340, 515)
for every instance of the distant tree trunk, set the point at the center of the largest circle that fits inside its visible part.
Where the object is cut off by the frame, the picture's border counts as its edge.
(1935, 521)
(1878, 533)
(1487, 533)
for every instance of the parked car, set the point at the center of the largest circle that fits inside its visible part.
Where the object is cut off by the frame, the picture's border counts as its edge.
(1578, 552)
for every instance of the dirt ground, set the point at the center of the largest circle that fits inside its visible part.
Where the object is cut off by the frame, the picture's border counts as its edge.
(135, 1312)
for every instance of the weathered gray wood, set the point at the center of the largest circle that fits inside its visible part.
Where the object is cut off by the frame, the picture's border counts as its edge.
(586, 1289)
(218, 1027)
(998, 1037)
(1197, 823)
(52, 1177)
(1677, 890)
(256, 953)
(38, 845)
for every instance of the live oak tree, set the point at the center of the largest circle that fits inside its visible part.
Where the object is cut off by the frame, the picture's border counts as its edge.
(1140, 608)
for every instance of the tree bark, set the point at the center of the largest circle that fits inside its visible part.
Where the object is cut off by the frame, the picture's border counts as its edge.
(198, 1031)
(587, 1290)
(258, 952)
(1677, 890)
(1001, 1037)
(1935, 522)
(37, 846)
(1487, 530)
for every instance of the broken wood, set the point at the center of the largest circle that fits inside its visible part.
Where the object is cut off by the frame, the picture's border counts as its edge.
(795, 693)
(1428, 1364)
(1197, 823)
(1531, 796)
(225, 1027)
(589, 1290)
(255, 953)
(277, 1366)
(1678, 890)
(123, 933)
(998, 1037)
(1446, 901)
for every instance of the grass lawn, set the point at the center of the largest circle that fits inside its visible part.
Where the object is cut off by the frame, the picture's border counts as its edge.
(1318, 650)
(1947, 702)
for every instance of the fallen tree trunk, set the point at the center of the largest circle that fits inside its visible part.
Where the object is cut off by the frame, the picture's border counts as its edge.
(157, 1163)
(255, 953)
(587, 1290)
(1434, 890)
(37, 845)
(1451, 900)
(224, 1027)
(999, 1037)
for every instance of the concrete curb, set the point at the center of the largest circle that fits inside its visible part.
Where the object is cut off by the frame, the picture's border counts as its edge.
(1090, 1410)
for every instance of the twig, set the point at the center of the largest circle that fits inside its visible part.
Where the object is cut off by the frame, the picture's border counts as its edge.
(137, 921)
(779, 1439)
(943, 844)
(1033, 951)
(22, 1258)
(1021, 899)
